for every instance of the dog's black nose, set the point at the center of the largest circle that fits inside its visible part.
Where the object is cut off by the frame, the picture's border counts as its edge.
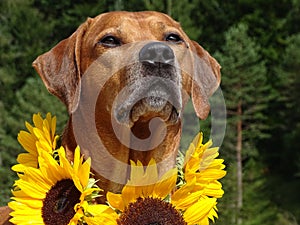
(156, 52)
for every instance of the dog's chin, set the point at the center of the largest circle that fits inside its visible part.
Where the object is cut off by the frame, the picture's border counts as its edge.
(153, 107)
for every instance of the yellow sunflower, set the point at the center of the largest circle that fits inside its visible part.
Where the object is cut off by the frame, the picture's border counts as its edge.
(197, 197)
(143, 183)
(40, 135)
(142, 198)
(201, 164)
(55, 193)
(146, 199)
(51, 190)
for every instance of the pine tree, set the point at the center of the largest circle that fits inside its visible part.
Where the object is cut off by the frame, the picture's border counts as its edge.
(288, 72)
(23, 37)
(288, 171)
(246, 92)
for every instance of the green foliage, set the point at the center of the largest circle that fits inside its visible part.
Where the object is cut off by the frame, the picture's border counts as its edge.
(31, 98)
(290, 80)
(22, 38)
(244, 81)
(18, 43)
(257, 208)
(245, 88)
(227, 204)
(6, 159)
(284, 148)
(26, 101)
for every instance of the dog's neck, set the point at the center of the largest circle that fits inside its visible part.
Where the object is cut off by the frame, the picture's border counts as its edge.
(165, 152)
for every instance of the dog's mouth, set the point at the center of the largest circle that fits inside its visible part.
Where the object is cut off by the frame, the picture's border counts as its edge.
(147, 98)
(159, 101)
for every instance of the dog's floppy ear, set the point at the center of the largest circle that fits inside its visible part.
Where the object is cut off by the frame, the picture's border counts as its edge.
(206, 80)
(59, 68)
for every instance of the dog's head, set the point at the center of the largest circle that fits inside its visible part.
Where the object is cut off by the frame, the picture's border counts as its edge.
(154, 83)
(143, 66)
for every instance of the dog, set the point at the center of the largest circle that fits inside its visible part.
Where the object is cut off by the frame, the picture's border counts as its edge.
(166, 68)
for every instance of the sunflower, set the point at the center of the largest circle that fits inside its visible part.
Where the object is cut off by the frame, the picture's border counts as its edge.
(201, 164)
(142, 198)
(40, 135)
(55, 193)
(201, 188)
(52, 190)
(146, 199)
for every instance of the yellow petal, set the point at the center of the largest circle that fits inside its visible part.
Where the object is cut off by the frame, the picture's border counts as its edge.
(27, 158)
(53, 127)
(131, 193)
(211, 174)
(84, 172)
(30, 202)
(23, 209)
(102, 214)
(29, 127)
(189, 153)
(76, 159)
(151, 173)
(50, 168)
(166, 184)
(115, 200)
(42, 136)
(38, 121)
(214, 189)
(199, 211)
(187, 195)
(189, 200)
(27, 141)
(35, 178)
(31, 190)
(136, 172)
(198, 140)
(27, 220)
(64, 163)
(98, 209)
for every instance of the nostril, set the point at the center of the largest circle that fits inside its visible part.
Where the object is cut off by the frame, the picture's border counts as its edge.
(168, 55)
(156, 52)
(148, 55)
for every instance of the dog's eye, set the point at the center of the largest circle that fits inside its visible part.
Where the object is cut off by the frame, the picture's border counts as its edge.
(175, 38)
(110, 41)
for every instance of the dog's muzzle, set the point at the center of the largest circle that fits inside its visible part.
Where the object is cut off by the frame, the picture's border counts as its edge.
(154, 89)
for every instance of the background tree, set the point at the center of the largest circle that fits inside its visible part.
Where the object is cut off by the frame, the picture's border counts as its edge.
(18, 49)
(246, 92)
(286, 144)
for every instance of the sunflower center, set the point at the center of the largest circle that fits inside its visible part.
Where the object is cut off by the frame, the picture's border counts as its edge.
(150, 211)
(58, 205)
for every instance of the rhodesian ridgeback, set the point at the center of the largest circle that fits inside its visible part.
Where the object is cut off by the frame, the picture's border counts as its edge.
(148, 70)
